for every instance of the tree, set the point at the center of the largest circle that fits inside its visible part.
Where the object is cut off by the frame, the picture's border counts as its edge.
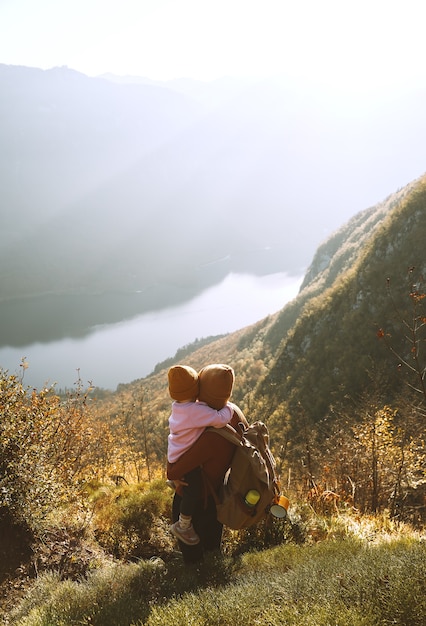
(410, 352)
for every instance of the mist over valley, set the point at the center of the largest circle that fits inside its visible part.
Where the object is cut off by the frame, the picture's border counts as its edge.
(123, 198)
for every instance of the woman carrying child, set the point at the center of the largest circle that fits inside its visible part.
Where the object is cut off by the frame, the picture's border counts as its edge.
(210, 455)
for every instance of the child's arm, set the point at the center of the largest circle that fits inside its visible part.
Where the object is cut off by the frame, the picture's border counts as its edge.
(205, 416)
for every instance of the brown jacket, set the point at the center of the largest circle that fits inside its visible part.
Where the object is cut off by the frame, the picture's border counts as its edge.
(211, 452)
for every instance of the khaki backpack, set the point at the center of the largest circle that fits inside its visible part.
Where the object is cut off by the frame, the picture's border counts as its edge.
(252, 469)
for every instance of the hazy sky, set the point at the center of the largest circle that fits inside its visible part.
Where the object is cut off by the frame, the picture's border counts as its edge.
(355, 43)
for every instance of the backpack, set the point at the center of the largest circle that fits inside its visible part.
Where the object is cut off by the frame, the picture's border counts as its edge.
(252, 468)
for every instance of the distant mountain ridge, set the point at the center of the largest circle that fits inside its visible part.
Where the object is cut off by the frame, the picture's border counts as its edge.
(118, 189)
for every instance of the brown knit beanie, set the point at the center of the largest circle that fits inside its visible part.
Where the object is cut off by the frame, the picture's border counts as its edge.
(216, 382)
(183, 383)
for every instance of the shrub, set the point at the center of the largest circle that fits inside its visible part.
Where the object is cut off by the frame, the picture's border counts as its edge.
(132, 521)
(35, 465)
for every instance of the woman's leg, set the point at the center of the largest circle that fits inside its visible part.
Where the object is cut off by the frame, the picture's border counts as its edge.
(208, 528)
(191, 492)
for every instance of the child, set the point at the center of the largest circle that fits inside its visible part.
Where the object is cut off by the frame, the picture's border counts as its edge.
(187, 422)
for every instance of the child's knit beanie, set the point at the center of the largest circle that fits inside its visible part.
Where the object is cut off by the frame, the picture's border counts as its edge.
(183, 383)
(216, 382)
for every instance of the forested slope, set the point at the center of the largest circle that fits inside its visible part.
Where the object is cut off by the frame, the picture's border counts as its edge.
(334, 347)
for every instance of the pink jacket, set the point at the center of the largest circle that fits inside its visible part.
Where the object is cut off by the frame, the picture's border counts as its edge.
(188, 421)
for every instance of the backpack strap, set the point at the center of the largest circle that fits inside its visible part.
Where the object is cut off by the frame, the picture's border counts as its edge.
(227, 432)
(230, 434)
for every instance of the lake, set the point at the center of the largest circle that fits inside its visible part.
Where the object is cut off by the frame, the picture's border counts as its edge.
(122, 352)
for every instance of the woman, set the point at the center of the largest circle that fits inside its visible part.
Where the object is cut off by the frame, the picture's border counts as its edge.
(213, 453)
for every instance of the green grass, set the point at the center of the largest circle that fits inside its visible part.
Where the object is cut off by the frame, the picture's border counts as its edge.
(334, 583)
(111, 595)
(343, 582)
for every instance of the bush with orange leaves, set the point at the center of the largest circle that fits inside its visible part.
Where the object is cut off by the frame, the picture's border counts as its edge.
(43, 445)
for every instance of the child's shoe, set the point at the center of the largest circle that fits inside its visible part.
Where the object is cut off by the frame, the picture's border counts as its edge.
(187, 535)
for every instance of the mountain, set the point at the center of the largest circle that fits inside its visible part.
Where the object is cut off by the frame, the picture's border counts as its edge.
(111, 188)
(352, 292)
(333, 343)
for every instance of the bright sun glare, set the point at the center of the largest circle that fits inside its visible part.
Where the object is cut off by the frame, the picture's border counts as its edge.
(349, 43)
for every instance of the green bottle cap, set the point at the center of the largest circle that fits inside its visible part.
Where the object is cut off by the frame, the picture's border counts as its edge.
(252, 497)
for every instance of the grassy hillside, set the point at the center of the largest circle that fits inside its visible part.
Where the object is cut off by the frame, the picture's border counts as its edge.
(355, 578)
